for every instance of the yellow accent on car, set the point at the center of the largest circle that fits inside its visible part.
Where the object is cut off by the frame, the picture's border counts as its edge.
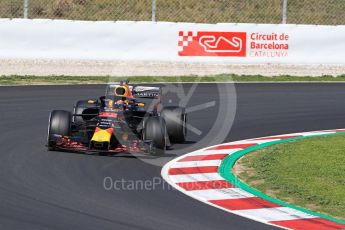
(141, 104)
(110, 104)
(101, 136)
(123, 93)
(90, 101)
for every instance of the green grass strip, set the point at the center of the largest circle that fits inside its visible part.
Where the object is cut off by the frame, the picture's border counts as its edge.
(228, 163)
(27, 80)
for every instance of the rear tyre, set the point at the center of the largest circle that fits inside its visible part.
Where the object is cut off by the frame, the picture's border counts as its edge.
(155, 130)
(175, 118)
(80, 108)
(59, 124)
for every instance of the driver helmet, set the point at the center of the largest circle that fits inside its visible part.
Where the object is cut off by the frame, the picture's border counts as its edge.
(123, 90)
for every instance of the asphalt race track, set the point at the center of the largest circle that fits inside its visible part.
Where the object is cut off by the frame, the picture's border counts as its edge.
(54, 190)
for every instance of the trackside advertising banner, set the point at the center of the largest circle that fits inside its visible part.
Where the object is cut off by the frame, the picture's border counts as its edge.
(163, 41)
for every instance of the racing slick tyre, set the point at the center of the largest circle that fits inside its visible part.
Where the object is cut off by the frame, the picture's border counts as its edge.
(59, 124)
(175, 118)
(155, 130)
(80, 108)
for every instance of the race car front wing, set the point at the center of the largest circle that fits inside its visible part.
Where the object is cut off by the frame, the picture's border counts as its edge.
(74, 144)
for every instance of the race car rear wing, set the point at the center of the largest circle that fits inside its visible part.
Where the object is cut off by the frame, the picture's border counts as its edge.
(150, 92)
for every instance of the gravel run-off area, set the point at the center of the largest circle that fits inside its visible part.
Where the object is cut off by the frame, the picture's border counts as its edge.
(146, 68)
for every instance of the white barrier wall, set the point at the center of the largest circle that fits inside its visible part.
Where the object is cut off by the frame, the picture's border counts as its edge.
(162, 41)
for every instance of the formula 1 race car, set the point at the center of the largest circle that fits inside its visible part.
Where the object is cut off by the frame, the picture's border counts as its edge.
(126, 119)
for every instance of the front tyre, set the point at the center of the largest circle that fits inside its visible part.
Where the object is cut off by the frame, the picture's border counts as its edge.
(155, 131)
(59, 124)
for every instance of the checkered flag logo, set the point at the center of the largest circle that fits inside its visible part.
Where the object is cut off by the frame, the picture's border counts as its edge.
(185, 37)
